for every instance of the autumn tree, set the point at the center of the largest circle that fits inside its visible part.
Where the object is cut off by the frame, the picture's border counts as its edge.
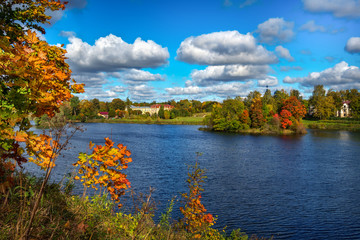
(35, 80)
(295, 107)
(279, 97)
(256, 113)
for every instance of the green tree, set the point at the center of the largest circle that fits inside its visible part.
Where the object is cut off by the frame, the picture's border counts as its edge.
(296, 93)
(161, 112)
(250, 97)
(112, 113)
(75, 103)
(323, 106)
(117, 103)
(279, 97)
(338, 101)
(96, 104)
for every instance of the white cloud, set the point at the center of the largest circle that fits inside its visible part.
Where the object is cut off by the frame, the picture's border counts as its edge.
(111, 54)
(222, 48)
(101, 94)
(340, 8)
(341, 76)
(284, 53)
(232, 89)
(312, 27)
(93, 80)
(268, 81)
(142, 92)
(136, 75)
(275, 30)
(215, 74)
(353, 45)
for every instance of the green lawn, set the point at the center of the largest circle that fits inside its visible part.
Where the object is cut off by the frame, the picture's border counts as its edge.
(194, 120)
(341, 124)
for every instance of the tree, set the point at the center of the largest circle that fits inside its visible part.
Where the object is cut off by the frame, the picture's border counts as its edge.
(323, 106)
(117, 103)
(256, 114)
(250, 97)
(161, 112)
(295, 107)
(74, 103)
(35, 80)
(295, 93)
(96, 104)
(279, 97)
(87, 108)
(338, 101)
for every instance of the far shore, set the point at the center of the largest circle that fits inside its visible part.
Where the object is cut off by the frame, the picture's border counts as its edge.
(340, 124)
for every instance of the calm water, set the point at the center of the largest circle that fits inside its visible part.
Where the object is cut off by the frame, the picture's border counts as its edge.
(290, 187)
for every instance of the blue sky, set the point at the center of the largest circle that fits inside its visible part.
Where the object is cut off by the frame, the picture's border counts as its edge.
(208, 50)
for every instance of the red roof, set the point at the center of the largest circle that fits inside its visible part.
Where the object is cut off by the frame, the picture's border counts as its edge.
(104, 113)
(159, 105)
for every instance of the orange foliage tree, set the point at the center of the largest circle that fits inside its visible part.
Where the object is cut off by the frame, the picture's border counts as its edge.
(196, 220)
(295, 107)
(35, 79)
(103, 168)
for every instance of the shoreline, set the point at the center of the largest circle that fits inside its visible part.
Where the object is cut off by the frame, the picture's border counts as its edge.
(340, 125)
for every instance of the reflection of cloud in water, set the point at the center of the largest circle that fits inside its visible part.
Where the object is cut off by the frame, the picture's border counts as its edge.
(344, 135)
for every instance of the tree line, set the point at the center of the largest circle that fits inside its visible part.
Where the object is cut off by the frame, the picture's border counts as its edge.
(281, 110)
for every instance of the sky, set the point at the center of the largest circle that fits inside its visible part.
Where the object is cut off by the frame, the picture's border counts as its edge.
(161, 50)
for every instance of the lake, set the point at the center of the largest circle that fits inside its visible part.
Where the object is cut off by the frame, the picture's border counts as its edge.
(289, 187)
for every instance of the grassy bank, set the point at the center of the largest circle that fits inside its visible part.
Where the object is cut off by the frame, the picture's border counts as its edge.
(62, 215)
(340, 124)
(195, 120)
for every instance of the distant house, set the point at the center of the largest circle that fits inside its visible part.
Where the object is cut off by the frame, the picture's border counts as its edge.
(104, 114)
(344, 110)
(153, 109)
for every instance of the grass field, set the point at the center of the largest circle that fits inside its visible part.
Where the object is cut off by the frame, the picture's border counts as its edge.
(342, 124)
(195, 120)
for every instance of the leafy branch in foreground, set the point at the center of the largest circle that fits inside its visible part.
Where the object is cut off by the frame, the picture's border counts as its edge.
(103, 168)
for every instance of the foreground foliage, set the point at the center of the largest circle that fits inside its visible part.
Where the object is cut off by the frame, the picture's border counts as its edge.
(62, 215)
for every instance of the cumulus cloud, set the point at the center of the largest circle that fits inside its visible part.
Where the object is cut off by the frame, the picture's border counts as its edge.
(269, 81)
(340, 8)
(289, 68)
(142, 92)
(222, 48)
(353, 45)
(141, 76)
(111, 53)
(222, 90)
(284, 53)
(312, 27)
(275, 30)
(91, 79)
(215, 74)
(341, 76)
